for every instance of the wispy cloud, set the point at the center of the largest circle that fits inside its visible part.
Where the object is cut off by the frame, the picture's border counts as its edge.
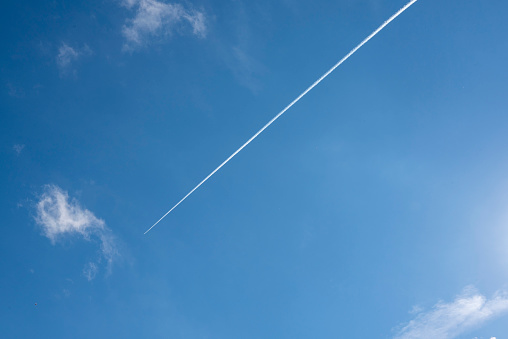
(60, 217)
(449, 320)
(14, 91)
(90, 271)
(245, 67)
(239, 48)
(18, 148)
(68, 55)
(157, 19)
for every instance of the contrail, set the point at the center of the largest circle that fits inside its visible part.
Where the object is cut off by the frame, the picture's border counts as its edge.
(399, 12)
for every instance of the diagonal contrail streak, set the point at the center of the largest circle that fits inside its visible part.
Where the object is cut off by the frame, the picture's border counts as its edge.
(399, 12)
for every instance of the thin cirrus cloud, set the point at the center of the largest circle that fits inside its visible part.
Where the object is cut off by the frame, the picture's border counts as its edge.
(90, 271)
(18, 148)
(68, 55)
(468, 311)
(157, 19)
(60, 216)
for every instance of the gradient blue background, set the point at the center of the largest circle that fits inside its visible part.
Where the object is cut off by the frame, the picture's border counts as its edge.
(384, 188)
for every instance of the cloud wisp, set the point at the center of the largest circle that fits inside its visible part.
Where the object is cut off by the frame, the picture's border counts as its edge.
(448, 320)
(341, 61)
(18, 148)
(60, 217)
(68, 55)
(90, 271)
(156, 19)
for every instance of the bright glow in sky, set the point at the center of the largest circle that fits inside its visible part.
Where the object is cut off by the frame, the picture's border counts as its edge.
(375, 208)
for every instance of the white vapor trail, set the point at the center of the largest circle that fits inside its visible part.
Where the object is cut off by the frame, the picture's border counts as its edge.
(399, 12)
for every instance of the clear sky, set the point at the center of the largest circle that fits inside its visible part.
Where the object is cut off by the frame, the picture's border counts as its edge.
(377, 207)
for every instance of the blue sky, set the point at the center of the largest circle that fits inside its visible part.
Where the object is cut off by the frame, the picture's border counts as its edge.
(377, 207)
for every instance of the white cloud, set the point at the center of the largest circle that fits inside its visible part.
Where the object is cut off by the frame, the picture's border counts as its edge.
(67, 55)
(14, 91)
(18, 148)
(246, 68)
(243, 53)
(59, 216)
(197, 21)
(154, 19)
(90, 271)
(416, 309)
(448, 320)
